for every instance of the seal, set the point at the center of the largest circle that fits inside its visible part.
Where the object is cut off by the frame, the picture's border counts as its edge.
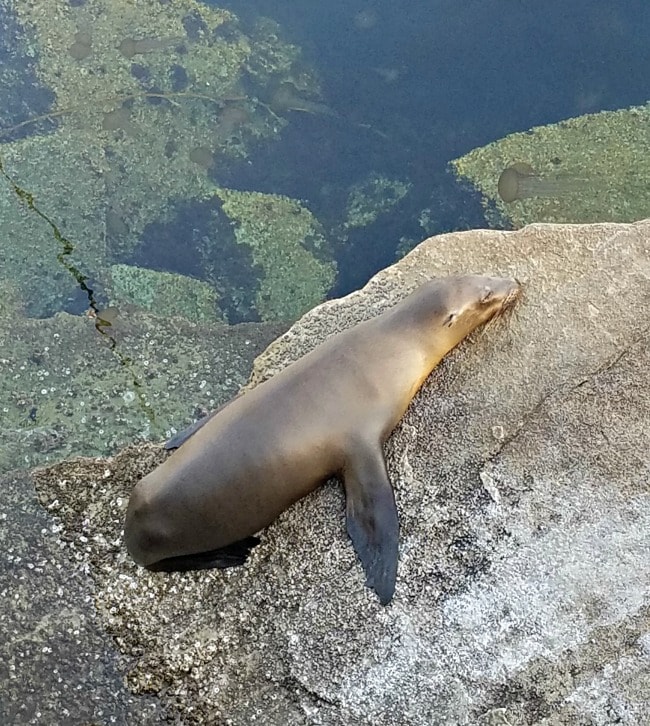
(325, 415)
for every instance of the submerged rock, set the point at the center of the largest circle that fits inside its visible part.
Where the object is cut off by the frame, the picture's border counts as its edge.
(591, 168)
(131, 105)
(287, 244)
(164, 293)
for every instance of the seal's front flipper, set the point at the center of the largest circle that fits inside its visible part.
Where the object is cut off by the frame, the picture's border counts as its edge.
(372, 521)
(231, 555)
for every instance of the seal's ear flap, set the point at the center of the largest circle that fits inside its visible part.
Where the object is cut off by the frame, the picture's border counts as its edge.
(372, 521)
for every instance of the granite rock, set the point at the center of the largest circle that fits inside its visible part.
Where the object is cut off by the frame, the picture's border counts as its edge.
(522, 478)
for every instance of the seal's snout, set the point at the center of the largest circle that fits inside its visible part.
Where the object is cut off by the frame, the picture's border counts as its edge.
(513, 294)
(503, 292)
(507, 293)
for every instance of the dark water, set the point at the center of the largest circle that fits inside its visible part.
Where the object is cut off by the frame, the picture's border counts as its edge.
(411, 86)
(439, 78)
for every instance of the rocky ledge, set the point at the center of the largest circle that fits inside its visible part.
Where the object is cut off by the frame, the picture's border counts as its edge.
(522, 477)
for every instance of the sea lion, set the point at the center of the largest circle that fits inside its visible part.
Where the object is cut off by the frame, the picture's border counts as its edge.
(326, 414)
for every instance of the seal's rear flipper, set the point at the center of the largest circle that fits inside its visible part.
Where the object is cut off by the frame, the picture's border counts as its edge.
(182, 436)
(231, 555)
(372, 521)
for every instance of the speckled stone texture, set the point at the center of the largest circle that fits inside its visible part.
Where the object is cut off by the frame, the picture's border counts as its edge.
(57, 664)
(522, 477)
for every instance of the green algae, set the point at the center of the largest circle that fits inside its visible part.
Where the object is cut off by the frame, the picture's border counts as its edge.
(286, 242)
(154, 83)
(597, 163)
(274, 58)
(129, 106)
(166, 294)
(28, 247)
(372, 197)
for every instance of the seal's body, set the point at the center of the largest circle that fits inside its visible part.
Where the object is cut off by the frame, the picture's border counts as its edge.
(326, 414)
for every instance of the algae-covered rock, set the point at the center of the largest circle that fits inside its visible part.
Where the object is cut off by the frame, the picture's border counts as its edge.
(150, 98)
(65, 389)
(164, 293)
(63, 181)
(274, 58)
(586, 169)
(148, 92)
(287, 244)
(372, 197)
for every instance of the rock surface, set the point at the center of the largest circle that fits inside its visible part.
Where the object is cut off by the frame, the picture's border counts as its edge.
(522, 477)
(53, 645)
(57, 664)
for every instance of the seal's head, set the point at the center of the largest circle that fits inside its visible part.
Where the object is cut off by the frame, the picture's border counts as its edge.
(448, 309)
(468, 302)
(477, 298)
